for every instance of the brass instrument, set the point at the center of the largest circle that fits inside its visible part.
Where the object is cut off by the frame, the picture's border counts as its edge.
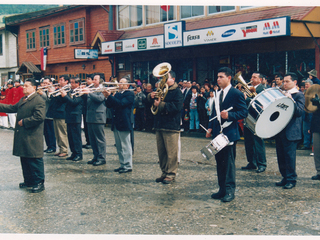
(310, 93)
(244, 85)
(57, 93)
(161, 70)
(98, 89)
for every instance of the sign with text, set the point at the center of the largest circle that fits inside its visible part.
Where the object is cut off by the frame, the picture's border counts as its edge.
(86, 53)
(173, 34)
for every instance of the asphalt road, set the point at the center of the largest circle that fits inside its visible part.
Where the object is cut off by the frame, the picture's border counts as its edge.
(83, 199)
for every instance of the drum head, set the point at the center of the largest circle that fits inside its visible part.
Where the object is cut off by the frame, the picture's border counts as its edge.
(275, 117)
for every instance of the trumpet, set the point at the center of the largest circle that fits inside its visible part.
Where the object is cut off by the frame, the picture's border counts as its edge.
(246, 89)
(98, 89)
(57, 93)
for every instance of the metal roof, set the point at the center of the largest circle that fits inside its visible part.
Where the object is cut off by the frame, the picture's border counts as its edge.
(30, 66)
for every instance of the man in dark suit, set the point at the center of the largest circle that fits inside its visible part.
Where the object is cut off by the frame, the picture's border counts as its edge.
(73, 120)
(96, 120)
(288, 138)
(186, 106)
(84, 113)
(227, 97)
(28, 140)
(122, 103)
(254, 145)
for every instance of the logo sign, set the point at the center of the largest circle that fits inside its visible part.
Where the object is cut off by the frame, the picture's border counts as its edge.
(142, 43)
(173, 34)
(283, 106)
(228, 33)
(118, 46)
(271, 28)
(249, 29)
(198, 37)
(107, 48)
(86, 53)
(155, 42)
(130, 45)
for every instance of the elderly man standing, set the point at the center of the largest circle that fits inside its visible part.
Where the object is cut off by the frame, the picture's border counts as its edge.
(28, 141)
(122, 103)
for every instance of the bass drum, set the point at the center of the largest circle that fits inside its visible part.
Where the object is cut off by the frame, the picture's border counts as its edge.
(269, 113)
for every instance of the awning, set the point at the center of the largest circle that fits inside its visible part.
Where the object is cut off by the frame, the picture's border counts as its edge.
(28, 68)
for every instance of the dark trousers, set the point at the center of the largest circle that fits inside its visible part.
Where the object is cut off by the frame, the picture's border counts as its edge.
(32, 170)
(255, 149)
(203, 117)
(286, 155)
(149, 120)
(85, 129)
(139, 119)
(49, 136)
(226, 169)
(74, 138)
(98, 141)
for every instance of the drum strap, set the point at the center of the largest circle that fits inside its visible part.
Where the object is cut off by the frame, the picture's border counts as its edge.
(217, 106)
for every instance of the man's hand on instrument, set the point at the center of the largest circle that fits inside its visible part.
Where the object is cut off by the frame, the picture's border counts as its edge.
(153, 94)
(224, 114)
(316, 100)
(63, 93)
(208, 133)
(106, 93)
(156, 102)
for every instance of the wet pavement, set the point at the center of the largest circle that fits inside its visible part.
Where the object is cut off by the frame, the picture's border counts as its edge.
(84, 199)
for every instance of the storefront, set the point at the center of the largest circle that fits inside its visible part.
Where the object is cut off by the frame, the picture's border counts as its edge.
(270, 46)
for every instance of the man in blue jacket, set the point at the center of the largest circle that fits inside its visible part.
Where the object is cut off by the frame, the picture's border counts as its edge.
(288, 138)
(122, 103)
(225, 158)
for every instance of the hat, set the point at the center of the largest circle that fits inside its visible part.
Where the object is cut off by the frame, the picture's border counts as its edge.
(313, 73)
(10, 82)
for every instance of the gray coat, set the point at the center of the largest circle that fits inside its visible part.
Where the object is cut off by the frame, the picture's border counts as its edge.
(96, 108)
(28, 139)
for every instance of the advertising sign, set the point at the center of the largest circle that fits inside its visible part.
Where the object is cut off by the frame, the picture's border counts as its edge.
(173, 34)
(86, 53)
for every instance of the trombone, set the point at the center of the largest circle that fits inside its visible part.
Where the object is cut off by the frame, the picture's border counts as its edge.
(57, 93)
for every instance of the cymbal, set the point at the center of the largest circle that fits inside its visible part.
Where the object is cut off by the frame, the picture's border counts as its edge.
(310, 93)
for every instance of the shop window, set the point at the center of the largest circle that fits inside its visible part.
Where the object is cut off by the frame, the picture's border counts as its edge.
(31, 39)
(157, 14)
(191, 11)
(1, 45)
(77, 31)
(44, 36)
(59, 35)
(218, 9)
(129, 16)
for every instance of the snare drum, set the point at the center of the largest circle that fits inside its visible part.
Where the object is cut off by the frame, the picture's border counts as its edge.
(218, 143)
(269, 113)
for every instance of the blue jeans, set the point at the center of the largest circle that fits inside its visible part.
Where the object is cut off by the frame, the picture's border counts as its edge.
(307, 137)
(194, 118)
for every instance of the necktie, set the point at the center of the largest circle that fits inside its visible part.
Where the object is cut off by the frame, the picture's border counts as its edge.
(221, 99)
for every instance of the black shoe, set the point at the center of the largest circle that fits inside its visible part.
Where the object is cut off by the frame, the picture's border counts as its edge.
(77, 158)
(23, 185)
(92, 161)
(50, 151)
(38, 188)
(260, 170)
(304, 148)
(249, 167)
(316, 177)
(118, 169)
(160, 179)
(281, 183)
(217, 195)
(84, 146)
(289, 185)
(98, 163)
(228, 197)
(125, 170)
(70, 158)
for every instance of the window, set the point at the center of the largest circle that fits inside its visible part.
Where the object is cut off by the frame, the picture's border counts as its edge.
(1, 45)
(157, 14)
(59, 34)
(44, 36)
(31, 39)
(129, 16)
(217, 9)
(77, 31)
(191, 11)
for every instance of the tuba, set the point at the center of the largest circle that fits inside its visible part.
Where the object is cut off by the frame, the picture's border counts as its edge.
(246, 89)
(310, 93)
(161, 70)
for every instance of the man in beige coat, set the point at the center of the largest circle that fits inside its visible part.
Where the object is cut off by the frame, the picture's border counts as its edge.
(28, 140)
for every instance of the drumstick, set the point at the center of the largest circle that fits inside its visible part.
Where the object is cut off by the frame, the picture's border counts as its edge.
(230, 108)
(204, 129)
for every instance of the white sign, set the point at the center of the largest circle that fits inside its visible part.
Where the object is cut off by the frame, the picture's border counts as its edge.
(173, 34)
(107, 48)
(86, 53)
(243, 31)
(155, 42)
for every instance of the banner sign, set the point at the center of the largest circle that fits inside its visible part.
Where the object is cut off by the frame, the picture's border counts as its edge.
(243, 31)
(173, 34)
(86, 53)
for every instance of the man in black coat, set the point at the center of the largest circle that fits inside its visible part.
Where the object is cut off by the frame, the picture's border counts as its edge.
(122, 103)
(73, 120)
(167, 126)
(315, 130)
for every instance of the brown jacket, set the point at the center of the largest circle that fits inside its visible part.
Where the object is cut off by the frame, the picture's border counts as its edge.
(28, 139)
